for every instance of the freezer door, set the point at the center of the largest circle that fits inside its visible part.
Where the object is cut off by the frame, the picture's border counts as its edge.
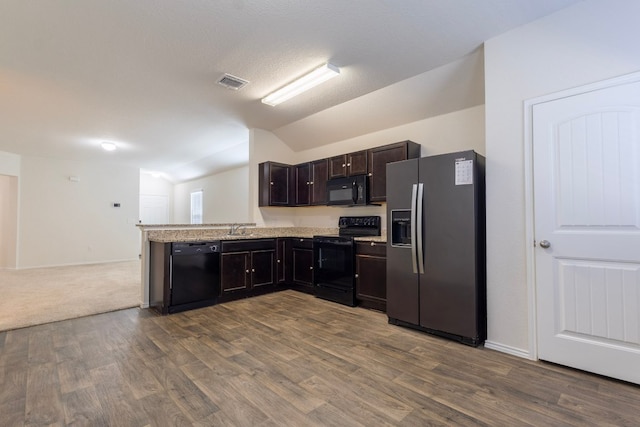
(402, 278)
(450, 287)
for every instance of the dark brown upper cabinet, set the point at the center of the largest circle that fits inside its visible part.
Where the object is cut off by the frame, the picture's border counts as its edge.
(306, 184)
(348, 164)
(319, 177)
(378, 159)
(275, 184)
(311, 183)
(303, 184)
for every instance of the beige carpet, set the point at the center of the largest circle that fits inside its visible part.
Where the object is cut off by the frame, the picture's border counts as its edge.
(42, 295)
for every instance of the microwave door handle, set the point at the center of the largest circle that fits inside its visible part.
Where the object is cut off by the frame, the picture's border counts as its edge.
(354, 192)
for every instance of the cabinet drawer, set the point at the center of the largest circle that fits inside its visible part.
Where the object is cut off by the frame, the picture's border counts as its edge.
(248, 245)
(298, 243)
(371, 248)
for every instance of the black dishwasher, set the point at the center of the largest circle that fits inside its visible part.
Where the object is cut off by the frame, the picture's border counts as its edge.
(184, 275)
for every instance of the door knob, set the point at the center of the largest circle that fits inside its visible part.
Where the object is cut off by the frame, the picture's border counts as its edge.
(545, 244)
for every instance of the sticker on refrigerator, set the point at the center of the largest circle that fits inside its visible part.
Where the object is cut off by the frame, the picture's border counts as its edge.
(464, 172)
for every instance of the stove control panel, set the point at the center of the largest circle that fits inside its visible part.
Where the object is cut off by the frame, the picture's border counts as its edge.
(359, 225)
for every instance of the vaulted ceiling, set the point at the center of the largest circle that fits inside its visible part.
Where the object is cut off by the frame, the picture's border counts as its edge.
(143, 73)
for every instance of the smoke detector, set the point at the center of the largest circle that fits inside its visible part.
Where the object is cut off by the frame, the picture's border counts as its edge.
(232, 82)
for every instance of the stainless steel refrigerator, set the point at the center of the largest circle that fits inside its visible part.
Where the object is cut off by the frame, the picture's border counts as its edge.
(436, 264)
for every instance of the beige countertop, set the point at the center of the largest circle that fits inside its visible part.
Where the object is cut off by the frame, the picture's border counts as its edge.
(194, 226)
(189, 234)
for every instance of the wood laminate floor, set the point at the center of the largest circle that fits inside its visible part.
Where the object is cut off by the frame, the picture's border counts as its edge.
(284, 359)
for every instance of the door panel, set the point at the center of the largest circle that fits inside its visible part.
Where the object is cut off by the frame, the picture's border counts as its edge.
(449, 288)
(403, 295)
(587, 206)
(599, 300)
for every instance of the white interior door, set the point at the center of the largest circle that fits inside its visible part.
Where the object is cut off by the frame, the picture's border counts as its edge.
(586, 153)
(154, 209)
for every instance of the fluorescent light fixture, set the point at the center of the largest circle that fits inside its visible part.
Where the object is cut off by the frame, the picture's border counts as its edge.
(304, 83)
(108, 146)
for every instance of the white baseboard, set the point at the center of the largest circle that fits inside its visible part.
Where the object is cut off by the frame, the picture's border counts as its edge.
(77, 264)
(518, 352)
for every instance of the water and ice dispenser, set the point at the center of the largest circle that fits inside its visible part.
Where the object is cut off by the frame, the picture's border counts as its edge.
(401, 227)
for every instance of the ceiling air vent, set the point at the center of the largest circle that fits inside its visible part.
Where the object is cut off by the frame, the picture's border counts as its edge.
(232, 82)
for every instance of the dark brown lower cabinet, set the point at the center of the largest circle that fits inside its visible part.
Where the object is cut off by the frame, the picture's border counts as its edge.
(283, 261)
(246, 266)
(371, 275)
(234, 272)
(302, 263)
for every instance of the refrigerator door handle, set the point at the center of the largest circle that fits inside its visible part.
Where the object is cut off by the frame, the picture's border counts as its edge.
(414, 195)
(420, 222)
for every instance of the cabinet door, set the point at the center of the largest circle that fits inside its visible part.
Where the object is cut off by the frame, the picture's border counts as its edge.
(377, 164)
(234, 271)
(274, 184)
(357, 163)
(338, 166)
(280, 185)
(283, 260)
(303, 184)
(262, 268)
(319, 176)
(303, 267)
(378, 159)
(371, 275)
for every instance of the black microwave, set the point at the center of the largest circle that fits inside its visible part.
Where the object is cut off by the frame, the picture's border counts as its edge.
(349, 191)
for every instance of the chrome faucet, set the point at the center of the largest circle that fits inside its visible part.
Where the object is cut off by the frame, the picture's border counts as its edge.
(235, 229)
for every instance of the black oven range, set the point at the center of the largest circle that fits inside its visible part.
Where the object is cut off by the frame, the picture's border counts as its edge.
(334, 258)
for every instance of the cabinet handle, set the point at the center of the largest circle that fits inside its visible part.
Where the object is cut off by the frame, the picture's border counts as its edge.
(311, 183)
(348, 164)
(370, 174)
(308, 182)
(343, 165)
(278, 261)
(271, 183)
(247, 271)
(373, 243)
(356, 275)
(310, 268)
(253, 270)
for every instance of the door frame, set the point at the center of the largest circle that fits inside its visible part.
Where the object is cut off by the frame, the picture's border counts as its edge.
(530, 252)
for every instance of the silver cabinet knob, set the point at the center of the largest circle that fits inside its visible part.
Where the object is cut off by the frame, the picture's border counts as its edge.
(545, 244)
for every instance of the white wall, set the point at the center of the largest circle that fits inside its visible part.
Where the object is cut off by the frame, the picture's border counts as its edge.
(457, 131)
(63, 222)
(588, 42)
(9, 164)
(225, 197)
(8, 221)
(151, 186)
(9, 182)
